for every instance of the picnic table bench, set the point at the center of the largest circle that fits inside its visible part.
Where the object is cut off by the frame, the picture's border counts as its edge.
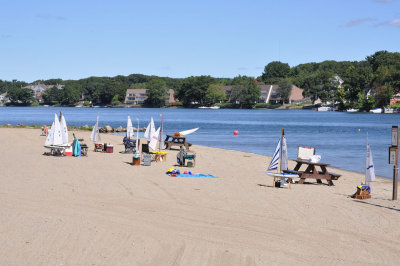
(312, 172)
(173, 140)
(56, 150)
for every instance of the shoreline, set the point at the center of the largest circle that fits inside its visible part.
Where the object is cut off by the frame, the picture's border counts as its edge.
(102, 210)
(142, 129)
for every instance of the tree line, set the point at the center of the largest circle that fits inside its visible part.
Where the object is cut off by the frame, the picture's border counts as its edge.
(358, 84)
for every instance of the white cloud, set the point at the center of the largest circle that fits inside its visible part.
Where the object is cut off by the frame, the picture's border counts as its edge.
(393, 23)
(357, 22)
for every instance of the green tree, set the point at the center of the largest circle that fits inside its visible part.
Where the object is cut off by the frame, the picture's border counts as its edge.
(115, 100)
(284, 90)
(245, 91)
(21, 96)
(193, 90)
(156, 93)
(214, 94)
(274, 72)
(53, 96)
(341, 97)
(69, 96)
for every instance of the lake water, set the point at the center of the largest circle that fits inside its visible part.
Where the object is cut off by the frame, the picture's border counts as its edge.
(338, 137)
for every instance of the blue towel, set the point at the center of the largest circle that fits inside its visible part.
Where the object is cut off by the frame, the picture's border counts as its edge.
(76, 148)
(197, 175)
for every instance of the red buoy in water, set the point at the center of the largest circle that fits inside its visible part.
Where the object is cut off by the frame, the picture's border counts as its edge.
(235, 132)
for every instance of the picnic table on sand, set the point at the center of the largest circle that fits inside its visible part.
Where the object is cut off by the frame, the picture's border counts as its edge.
(311, 171)
(176, 140)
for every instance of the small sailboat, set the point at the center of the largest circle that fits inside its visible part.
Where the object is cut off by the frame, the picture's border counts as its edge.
(154, 139)
(369, 165)
(129, 128)
(149, 129)
(95, 136)
(364, 190)
(54, 136)
(279, 161)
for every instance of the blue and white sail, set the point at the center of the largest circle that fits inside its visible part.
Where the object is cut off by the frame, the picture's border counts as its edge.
(369, 165)
(275, 159)
(280, 157)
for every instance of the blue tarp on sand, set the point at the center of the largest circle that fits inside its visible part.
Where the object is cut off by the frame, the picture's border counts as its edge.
(197, 175)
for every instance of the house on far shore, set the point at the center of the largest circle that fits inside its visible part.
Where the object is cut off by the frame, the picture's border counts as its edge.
(171, 97)
(40, 88)
(4, 98)
(269, 93)
(135, 96)
(138, 96)
(395, 99)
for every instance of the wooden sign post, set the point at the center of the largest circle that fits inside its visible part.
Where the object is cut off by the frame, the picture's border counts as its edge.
(394, 159)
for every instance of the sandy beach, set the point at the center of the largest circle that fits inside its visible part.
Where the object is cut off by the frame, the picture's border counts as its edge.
(101, 210)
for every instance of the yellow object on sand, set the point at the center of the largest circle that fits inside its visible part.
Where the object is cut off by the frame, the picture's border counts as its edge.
(159, 152)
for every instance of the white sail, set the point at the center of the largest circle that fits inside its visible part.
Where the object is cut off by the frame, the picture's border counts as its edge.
(284, 156)
(154, 139)
(129, 128)
(189, 131)
(275, 159)
(149, 129)
(369, 170)
(64, 130)
(137, 137)
(57, 132)
(95, 136)
(50, 136)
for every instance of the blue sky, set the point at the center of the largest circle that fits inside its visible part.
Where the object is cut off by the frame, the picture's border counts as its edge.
(77, 39)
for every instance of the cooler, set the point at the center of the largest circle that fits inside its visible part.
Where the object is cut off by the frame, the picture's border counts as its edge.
(68, 151)
(110, 148)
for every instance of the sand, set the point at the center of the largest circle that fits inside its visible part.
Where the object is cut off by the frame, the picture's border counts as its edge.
(101, 210)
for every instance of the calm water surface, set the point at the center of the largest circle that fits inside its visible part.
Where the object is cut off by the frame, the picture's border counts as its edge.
(338, 137)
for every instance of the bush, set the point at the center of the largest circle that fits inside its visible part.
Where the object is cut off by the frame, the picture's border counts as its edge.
(267, 105)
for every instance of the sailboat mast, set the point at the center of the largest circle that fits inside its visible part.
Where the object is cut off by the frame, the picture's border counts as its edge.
(161, 131)
(280, 155)
(366, 159)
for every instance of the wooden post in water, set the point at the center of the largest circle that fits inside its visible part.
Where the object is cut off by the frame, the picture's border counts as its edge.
(394, 159)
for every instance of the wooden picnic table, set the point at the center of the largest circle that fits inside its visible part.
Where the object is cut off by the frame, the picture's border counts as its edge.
(173, 140)
(311, 171)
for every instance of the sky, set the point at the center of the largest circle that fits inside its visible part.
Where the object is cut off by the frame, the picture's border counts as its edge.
(78, 39)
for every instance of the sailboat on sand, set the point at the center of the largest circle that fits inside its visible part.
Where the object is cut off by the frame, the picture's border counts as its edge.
(364, 190)
(152, 134)
(95, 136)
(58, 133)
(279, 161)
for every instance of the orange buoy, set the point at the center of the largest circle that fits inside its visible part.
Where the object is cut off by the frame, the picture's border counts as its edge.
(235, 132)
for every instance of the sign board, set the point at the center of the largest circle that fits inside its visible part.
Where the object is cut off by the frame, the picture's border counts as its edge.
(392, 155)
(395, 136)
